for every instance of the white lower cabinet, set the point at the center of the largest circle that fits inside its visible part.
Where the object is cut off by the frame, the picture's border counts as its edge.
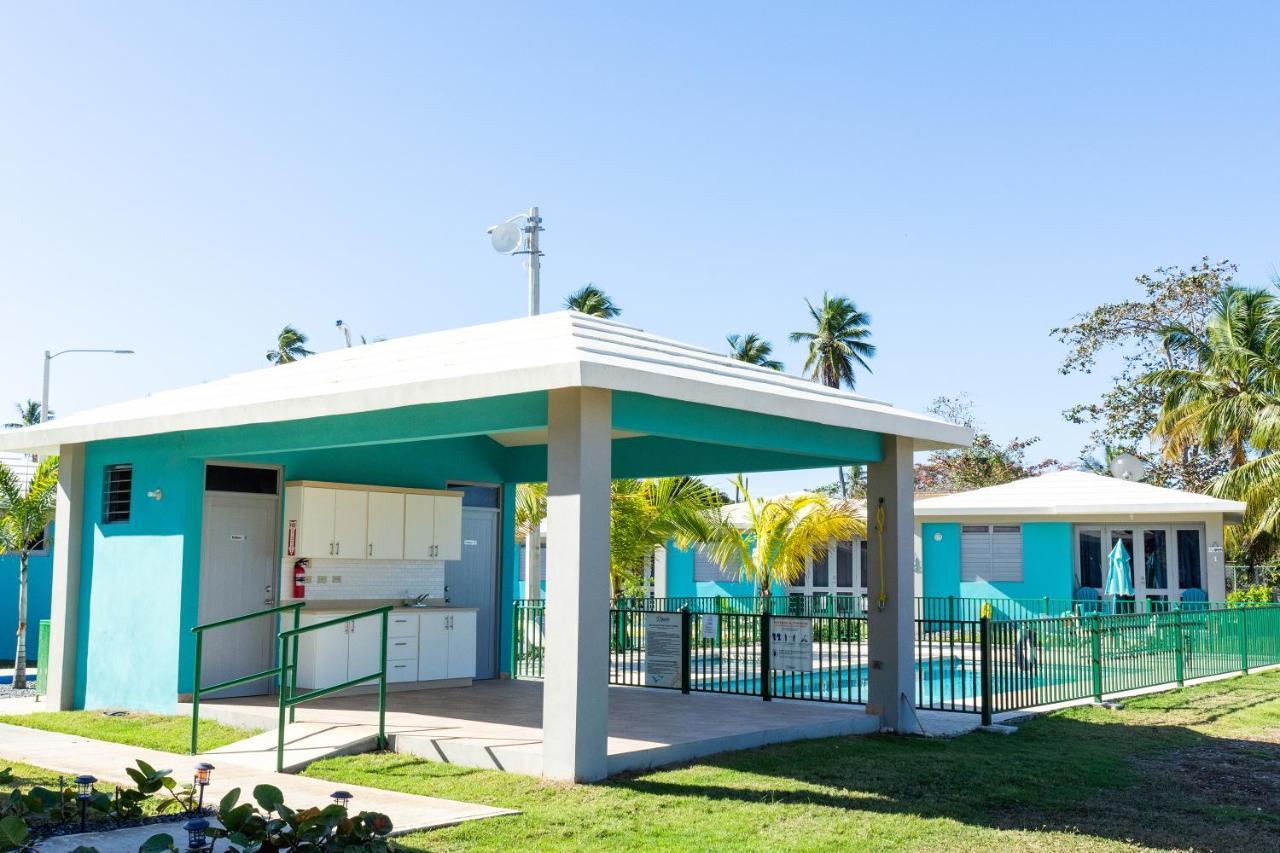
(447, 645)
(420, 647)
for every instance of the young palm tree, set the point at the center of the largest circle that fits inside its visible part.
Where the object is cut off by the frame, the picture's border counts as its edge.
(644, 515)
(779, 535)
(590, 299)
(291, 345)
(531, 511)
(837, 343)
(753, 349)
(28, 414)
(25, 513)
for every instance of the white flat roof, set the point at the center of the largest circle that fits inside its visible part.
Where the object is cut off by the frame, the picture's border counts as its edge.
(1075, 493)
(561, 350)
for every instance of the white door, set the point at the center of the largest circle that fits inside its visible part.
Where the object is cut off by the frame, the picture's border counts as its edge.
(448, 528)
(316, 537)
(433, 647)
(1152, 577)
(462, 645)
(386, 526)
(419, 526)
(350, 523)
(237, 576)
(364, 647)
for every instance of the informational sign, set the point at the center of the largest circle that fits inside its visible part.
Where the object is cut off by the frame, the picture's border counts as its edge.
(791, 644)
(662, 650)
(709, 626)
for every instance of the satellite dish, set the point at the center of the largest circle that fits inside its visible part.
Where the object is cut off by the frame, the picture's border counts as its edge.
(505, 237)
(1126, 466)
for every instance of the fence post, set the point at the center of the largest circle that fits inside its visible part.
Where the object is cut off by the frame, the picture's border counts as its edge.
(1097, 657)
(1046, 605)
(1244, 641)
(766, 683)
(985, 646)
(951, 609)
(1178, 663)
(515, 630)
(686, 626)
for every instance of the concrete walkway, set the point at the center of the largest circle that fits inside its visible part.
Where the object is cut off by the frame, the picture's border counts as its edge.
(74, 755)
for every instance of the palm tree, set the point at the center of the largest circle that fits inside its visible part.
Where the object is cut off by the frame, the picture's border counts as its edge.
(28, 414)
(291, 345)
(26, 511)
(752, 349)
(531, 511)
(778, 535)
(644, 515)
(837, 343)
(590, 299)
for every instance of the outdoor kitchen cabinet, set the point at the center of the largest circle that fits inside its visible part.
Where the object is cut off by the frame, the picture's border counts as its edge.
(447, 645)
(338, 653)
(351, 522)
(422, 645)
(432, 527)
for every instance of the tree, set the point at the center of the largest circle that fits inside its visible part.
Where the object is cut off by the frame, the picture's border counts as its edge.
(26, 511)
(778, 536)
(838, 342)
(530, 512)
(590, 299)
(291, 345)
(644, 516)
(983, 463)
(753, 349)
(1134, 329)
(28, 415)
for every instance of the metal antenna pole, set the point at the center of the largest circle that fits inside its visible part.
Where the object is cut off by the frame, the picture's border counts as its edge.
(533, 224)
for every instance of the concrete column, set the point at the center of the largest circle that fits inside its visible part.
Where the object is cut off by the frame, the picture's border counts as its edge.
(575, 699)
(890, 646)
(64, 615)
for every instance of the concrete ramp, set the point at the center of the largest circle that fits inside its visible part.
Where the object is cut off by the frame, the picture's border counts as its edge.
(304, 743)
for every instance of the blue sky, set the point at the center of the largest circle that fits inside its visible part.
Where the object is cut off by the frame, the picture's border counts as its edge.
(184, 179)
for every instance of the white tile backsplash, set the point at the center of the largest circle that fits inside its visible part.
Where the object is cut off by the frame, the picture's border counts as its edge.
(373, 579)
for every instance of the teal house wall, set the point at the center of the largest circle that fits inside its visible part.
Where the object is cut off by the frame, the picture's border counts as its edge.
(1047, 563)
(39, 590)
(681, 583)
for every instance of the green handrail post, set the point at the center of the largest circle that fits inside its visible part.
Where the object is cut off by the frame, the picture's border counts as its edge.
(382, 686)
(1097, 657)
(766, 682)
(195, 695)
(293, 667)
(985, 638)
(284, 700)
(686, 628)
(1244, 641)
(1178, 664)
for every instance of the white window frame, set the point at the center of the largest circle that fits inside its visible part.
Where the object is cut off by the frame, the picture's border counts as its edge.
(1173, 575)
(806, 586)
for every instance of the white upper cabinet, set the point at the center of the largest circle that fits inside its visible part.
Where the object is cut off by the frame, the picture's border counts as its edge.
(314, 520)
(350, 524)
(448, 528)
(432, 527)
(386, 526)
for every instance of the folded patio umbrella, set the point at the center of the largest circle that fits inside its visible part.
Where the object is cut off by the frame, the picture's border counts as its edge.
(1119, 572)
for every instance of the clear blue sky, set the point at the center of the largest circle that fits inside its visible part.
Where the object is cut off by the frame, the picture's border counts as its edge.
(184, 179)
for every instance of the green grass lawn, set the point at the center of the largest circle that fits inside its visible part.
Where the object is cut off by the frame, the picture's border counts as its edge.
(1197, 768)
(151, 731)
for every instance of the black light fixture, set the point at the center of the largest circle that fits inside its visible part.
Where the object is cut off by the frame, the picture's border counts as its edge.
(196, 828)
(341, 798)
(84, 791)
(204, 772)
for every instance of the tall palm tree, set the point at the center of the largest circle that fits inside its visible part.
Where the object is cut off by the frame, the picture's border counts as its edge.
(644, 515)
(778, 535)
(28, 414)
(291, 345)
(26, 511)
(838, 342)
(531, 511)
(590, 299)
(753, 349)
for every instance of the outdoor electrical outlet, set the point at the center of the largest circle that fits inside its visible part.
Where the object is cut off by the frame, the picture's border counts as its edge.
(321, 578)
(337, 578)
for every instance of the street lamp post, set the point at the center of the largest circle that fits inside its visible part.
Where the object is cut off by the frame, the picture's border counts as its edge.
(48, 357)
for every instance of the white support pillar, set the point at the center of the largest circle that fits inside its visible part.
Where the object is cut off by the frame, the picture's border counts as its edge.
(890, 646)
(575, 698)
(64, 617)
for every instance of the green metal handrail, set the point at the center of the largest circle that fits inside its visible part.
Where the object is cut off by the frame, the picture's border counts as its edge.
(196, 689)
(289, 664)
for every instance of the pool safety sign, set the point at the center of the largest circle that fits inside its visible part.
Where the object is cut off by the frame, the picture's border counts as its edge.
(708, 626)
(791, 644)
(662, 650)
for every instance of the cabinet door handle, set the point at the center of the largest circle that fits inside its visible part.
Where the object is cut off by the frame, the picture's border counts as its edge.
(339, 548)
(330, 549)
(370, 549)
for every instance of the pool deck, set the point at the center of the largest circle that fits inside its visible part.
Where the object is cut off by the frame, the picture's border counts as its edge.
(498, 724)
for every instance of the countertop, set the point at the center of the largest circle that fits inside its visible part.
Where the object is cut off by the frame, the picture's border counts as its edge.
(348, 605)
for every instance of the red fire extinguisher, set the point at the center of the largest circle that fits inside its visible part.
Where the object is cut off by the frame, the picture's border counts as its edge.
(300, 579)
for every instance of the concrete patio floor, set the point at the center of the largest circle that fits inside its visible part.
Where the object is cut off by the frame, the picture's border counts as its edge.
(498, 724)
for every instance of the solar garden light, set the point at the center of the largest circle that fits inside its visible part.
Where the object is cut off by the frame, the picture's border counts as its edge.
(196, 839)
(341, 798)
(84, 790)
(204, 772)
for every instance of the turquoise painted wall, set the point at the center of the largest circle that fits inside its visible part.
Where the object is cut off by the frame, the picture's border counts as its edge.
(680, 582)
(39, 587)
(1047, 567)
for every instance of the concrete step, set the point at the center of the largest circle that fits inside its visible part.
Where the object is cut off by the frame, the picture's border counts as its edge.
(304, 743)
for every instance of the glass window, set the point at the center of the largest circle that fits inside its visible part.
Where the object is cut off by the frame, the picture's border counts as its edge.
(481, 496)
(1124, 537)
(821, 572)
(1189, 559)
(230, 478)
(844, 565)
(1155, 558)
(862, 563)
(1091, 558)
(117, 493)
